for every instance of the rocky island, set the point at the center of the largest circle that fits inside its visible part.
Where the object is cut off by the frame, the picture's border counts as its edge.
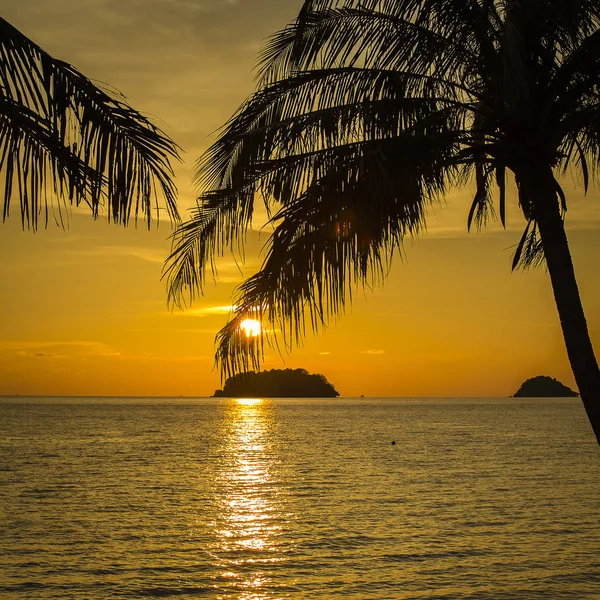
(277, 383)
(544, 387)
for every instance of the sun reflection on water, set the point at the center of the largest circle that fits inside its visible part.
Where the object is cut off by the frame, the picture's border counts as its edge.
(251, 516)
(249, 401)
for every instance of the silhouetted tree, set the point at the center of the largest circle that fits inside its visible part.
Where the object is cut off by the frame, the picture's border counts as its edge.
(279, 383)
(64, 140)
(367, 111)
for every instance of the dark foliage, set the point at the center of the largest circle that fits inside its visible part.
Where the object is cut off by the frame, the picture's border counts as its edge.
(278, 383)
(368, 111)
(65, 140)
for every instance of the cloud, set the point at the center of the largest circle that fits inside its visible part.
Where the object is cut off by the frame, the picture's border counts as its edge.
(163, 358)
(152, 255)
(324, 353)
(87, 352)
(205, 311)
(373, 351)
(175, 359)
(192, 5)
(29, 354)
(40, 349)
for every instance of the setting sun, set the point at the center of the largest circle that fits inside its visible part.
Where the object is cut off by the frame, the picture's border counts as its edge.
(250, 327)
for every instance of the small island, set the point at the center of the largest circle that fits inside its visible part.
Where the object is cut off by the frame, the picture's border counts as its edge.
(544, 387)
(277, 383)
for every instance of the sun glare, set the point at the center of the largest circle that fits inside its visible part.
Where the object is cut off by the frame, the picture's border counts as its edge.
(250, 327)
(249, 401)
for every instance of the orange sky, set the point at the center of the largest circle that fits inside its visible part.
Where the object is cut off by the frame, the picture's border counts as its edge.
(83, 311)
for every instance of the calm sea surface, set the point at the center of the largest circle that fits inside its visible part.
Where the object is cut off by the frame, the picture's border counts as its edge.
(214, 498)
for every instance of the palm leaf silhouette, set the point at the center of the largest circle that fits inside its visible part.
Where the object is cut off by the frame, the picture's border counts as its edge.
(65, 140)
(366, 111)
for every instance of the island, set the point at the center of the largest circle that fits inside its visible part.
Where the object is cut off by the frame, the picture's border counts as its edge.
(544, 387)
(277, 383)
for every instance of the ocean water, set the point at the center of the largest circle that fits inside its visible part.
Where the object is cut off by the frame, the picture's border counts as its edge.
(294, 498)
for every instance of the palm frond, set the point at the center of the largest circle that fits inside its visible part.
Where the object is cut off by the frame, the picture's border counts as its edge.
(336, 37)
(117, 156)
(281, 173)
(367, 110)
(481, 206)
(27, 149)
(262, 124)
(529, 252)
(218, 221)
(341, 232)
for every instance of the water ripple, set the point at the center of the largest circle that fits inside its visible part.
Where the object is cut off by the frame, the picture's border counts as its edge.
(281, 499)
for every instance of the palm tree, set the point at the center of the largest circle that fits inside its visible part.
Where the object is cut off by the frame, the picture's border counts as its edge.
(368, 110)
(64, 140)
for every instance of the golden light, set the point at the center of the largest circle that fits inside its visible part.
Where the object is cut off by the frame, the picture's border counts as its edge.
(250, 327)
(252, 513)
(248, 401)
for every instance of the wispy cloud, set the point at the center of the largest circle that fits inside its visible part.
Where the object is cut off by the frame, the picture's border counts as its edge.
(174, 359)
(147, 254)
(206, 311)
(60, 349)
(373, 351)
(193, 5)
(85, 351)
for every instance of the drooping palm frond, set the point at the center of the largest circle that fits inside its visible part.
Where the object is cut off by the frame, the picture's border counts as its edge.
(529, 252)
(291, 141)
(367, 110)
(320, 251)
(366, 34)
(288, 133)
(64, 140)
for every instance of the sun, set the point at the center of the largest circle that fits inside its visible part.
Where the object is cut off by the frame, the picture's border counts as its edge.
(250, 327)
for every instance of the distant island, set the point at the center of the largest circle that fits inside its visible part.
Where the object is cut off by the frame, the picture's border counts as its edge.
(544, 387)
(277, 383)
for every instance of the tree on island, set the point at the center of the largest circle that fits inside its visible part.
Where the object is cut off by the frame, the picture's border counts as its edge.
(369, 111)
(64, 140)
(544, 387)
(278, 383)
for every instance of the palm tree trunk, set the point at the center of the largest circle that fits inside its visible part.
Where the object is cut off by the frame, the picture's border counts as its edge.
(568, 302)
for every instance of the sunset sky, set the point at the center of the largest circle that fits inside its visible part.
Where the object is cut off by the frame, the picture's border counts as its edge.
(83, 311)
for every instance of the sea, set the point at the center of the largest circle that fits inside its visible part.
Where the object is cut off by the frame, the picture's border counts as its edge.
(254, 499)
